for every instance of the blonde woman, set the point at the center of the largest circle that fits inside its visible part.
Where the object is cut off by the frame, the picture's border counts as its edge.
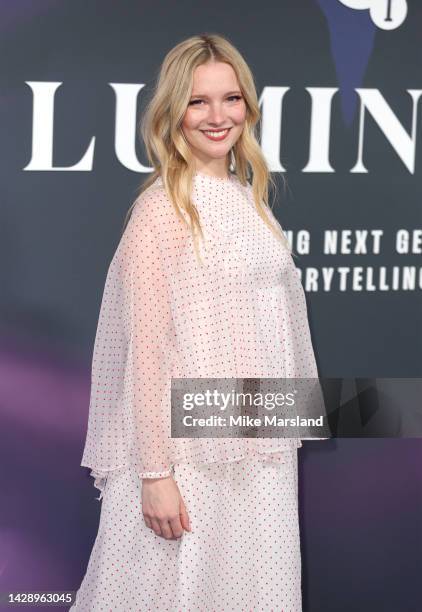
(202, 285)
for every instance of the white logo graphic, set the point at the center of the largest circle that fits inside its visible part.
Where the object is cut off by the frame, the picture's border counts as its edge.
(386, 14)
(402, 139)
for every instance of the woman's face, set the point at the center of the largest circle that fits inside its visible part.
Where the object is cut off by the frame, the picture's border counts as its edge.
(216, 113)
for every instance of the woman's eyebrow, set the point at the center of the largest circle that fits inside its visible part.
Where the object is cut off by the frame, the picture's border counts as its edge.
(229, 93)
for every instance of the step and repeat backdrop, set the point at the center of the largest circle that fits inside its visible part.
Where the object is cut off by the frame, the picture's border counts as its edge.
(340, 90)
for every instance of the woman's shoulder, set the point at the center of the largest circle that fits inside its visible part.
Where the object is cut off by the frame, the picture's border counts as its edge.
(154, 211)
(153, 203)
(153, 208)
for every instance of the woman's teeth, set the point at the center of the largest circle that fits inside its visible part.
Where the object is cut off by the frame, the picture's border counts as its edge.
(219, 135)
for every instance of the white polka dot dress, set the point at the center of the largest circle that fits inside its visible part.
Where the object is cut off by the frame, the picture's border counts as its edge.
(242, 553)
(240, 314)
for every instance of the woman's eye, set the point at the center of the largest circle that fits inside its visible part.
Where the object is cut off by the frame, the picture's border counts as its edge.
(198, 101)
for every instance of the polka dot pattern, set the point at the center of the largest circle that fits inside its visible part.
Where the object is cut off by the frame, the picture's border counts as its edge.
(241, 314)
(242, 554)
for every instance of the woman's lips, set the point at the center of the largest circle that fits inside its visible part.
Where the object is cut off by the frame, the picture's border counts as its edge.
(216, 135)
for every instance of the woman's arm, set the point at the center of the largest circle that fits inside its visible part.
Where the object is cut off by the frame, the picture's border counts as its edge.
(151, 348)
(151, 340)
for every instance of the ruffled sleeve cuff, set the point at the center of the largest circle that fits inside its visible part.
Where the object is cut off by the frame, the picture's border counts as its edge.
(161, 474)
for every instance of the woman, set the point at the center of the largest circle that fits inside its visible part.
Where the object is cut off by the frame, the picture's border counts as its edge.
(202, 285)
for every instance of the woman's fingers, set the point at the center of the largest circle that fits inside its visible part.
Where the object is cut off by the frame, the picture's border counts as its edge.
(184, 517)
(156, 526)
(166, 530)
(147, 521)
(176, 527)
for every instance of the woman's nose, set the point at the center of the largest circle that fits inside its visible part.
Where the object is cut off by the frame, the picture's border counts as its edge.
(216, 114)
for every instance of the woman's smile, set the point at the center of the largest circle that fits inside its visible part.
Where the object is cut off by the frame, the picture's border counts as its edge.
(216, 135)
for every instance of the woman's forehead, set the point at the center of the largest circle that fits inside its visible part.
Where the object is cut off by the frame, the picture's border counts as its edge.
(214, 76)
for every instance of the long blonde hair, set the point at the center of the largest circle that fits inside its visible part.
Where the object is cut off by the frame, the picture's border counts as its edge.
(167, 149)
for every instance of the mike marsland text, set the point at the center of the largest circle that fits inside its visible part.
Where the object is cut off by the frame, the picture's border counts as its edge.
(247, 421)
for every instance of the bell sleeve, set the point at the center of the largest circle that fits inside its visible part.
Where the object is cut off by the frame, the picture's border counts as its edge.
(151, 348)
(129, 412)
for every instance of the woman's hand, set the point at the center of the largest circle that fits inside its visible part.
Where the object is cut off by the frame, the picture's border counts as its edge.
(163, 507)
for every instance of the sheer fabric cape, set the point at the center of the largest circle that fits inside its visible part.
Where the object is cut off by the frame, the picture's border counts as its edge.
(242, 314)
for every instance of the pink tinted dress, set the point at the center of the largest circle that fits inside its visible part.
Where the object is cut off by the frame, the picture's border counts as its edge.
(163, 315)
